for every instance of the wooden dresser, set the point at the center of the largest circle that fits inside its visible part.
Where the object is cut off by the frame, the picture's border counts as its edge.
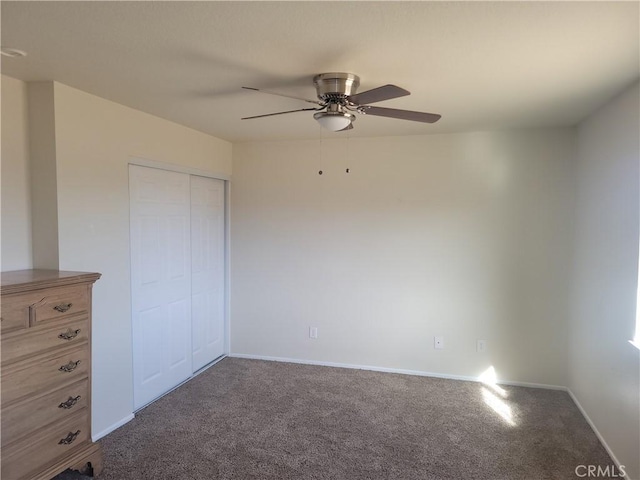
(46, 374)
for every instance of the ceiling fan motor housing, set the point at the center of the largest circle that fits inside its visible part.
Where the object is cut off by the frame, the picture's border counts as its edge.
(335, 87)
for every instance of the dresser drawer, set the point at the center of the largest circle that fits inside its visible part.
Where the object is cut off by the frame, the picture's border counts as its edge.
(18, 311)
(59, 303)
(41, 373)
(59, 334)
(14, 312)
(25, 457)
(23, 418)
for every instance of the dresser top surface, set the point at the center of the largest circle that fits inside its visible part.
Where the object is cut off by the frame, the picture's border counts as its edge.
(34, 279)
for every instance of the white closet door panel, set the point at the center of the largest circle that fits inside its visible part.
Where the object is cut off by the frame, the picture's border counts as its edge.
(207, 269)
(151, 356)
(161, 280)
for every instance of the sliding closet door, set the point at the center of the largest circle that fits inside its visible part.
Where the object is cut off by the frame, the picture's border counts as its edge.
(160, 203)
(207, 269)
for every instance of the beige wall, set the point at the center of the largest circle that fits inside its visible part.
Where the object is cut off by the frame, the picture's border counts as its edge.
(44, 185)
(604, 368)
(16, 201)
(462, 235)
(94, 141)
(86, 142)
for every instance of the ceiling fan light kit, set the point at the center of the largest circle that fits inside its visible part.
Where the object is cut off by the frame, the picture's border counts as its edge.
(334, 121)
(338, 97)
(335, 118)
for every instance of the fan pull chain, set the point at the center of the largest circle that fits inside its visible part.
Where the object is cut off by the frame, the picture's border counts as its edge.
(321, 148)
(348, 156)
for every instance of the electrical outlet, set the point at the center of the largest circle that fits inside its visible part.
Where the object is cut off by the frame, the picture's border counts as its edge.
(481, 346)
(313, 332)
(438, 343)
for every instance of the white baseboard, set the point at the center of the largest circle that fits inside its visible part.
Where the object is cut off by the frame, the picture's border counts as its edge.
(595, 430)
(418, 373)
(97, 436)
(532, 385)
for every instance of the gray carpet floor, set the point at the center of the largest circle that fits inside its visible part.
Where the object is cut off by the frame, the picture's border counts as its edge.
(249, 419)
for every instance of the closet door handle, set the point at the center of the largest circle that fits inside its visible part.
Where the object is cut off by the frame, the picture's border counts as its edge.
(69, 439)
(69, 403)
(69, 367)
(63, 307)
(69, 334)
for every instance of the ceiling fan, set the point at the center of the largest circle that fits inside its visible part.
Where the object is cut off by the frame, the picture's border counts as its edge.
(338, 101)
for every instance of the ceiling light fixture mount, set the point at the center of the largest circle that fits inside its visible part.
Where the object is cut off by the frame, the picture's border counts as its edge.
(12, 52)
(336, 86)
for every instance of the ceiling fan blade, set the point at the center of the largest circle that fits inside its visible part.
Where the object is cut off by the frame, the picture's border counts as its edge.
(401, 114)
(386, 92)
(283, 95)
(280, 113)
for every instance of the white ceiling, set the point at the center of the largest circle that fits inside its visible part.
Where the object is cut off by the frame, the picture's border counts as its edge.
(482, 65)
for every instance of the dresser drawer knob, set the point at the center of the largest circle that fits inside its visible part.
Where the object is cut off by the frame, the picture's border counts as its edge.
(69, 438)
(69, 367)
(69, 334)
(69, 403)
(63, 307)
